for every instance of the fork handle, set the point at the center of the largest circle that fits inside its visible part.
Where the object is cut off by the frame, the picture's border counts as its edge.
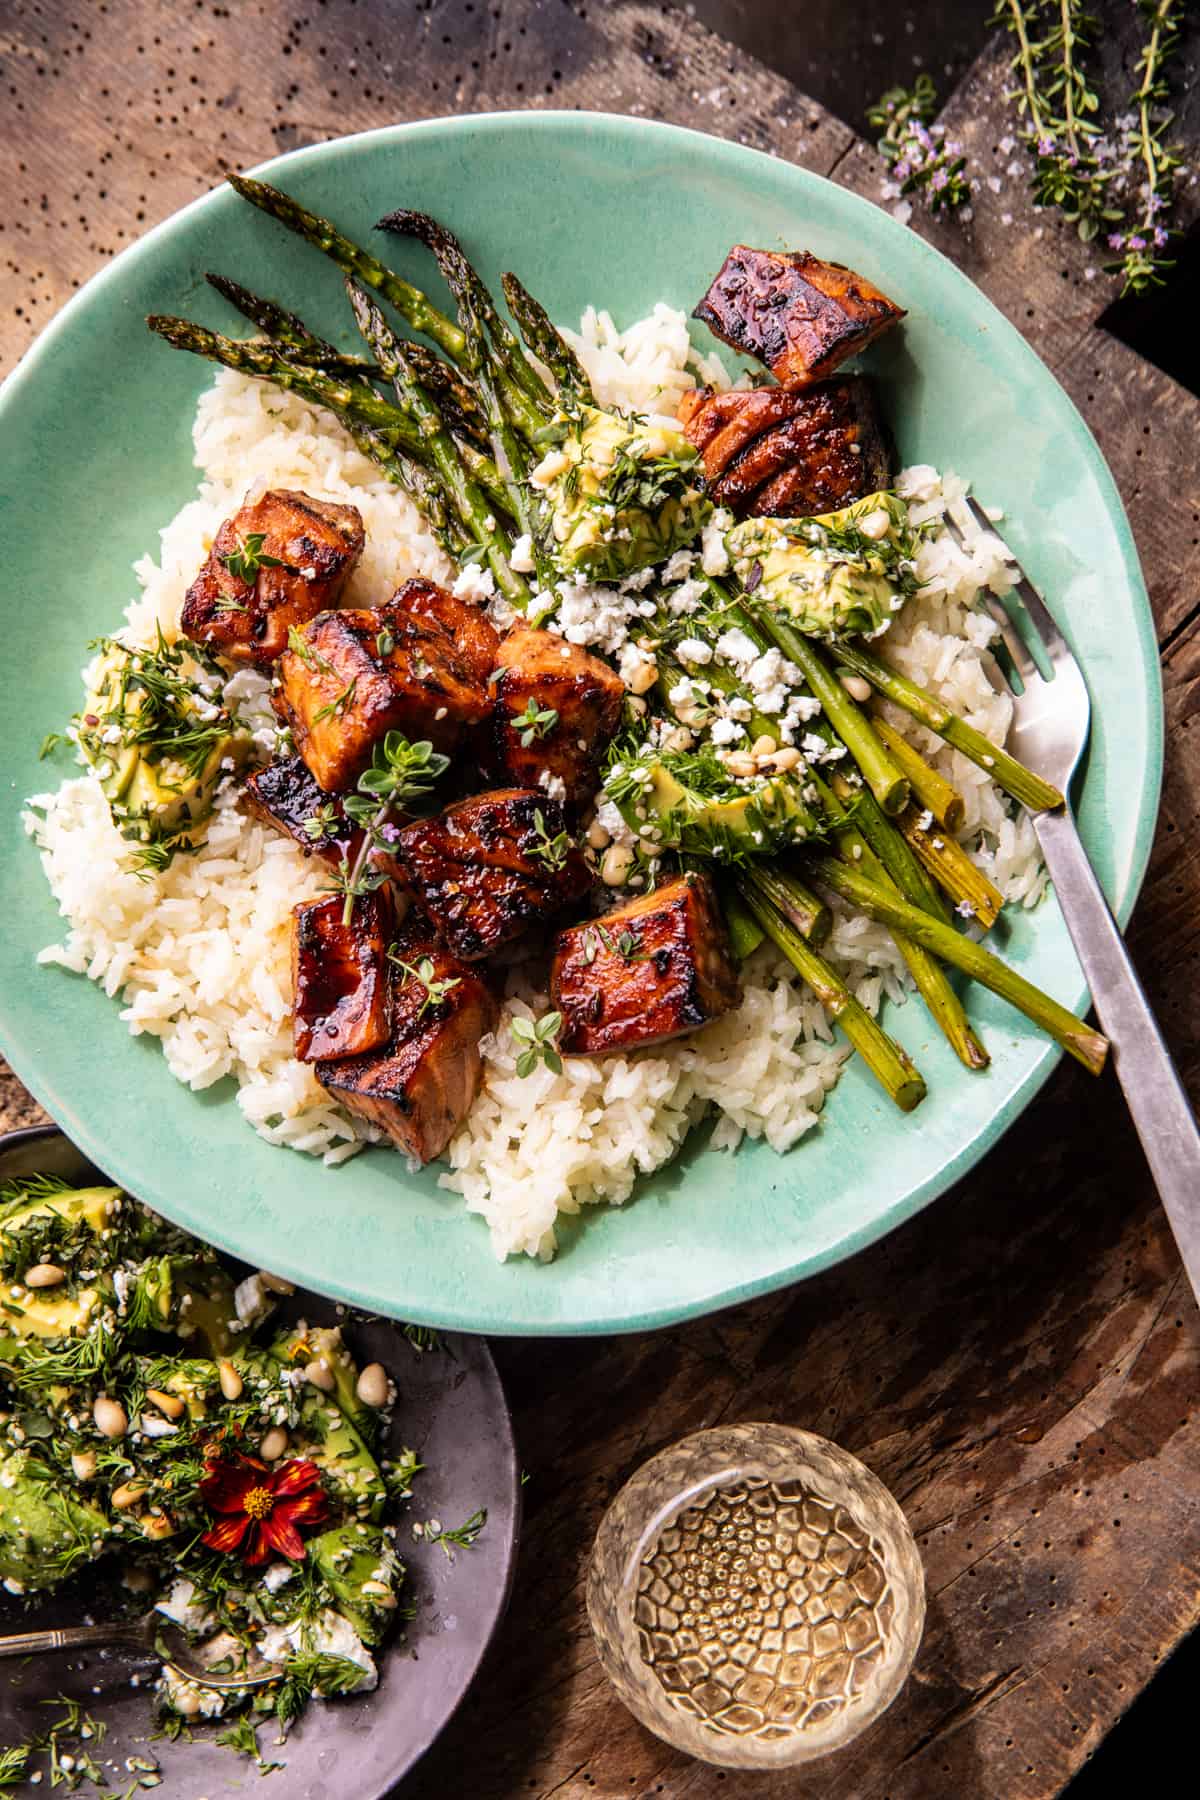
(1158, 1102)
(70, 1637)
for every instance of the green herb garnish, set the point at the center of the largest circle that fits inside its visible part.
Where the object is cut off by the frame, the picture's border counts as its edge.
(538, 1037)
(245, 562)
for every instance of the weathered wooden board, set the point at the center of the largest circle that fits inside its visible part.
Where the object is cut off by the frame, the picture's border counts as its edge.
(1020, 1363)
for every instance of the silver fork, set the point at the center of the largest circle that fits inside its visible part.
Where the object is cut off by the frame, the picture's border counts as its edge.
(154, 1635)
(1051, 720)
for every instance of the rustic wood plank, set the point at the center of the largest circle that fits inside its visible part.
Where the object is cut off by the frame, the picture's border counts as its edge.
(1020, 1363)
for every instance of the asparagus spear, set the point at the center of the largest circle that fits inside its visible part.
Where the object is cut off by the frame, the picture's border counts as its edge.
(350, 402)
(440, 450)
(890, 1065)
(929, 978)
(444, 383)
(1087, 1046)
(796, 903)
(461, 277)
(544, 340)
(288, 330)
(1005, 770)
(354, 261)
(930, 787)
(490, 352)
(952, 869)
(894, 853)
(882, 774)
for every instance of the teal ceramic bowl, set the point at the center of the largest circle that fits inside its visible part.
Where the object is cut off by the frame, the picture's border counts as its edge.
(95, 456)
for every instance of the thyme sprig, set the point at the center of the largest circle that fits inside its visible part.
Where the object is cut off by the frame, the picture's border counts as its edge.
(538, 1038)
(1140, 244)
(923, 160)
(534, 722)
(401, 776)
(463, 1535)
(423, 974)
(552, 851)
(248, 558)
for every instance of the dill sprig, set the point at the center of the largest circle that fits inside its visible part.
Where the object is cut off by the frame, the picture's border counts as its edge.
(923, 159)
(464, 1535)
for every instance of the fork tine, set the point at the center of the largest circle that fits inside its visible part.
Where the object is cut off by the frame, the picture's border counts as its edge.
(1044, 620)
(1014, 643)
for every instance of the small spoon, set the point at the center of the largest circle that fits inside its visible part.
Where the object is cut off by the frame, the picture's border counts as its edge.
(156, 1635)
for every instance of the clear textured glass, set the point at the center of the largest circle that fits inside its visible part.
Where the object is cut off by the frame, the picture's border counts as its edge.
(756, 1596)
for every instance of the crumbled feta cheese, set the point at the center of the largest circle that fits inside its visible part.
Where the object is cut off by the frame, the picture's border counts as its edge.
(522, 554)
(553, 785)
(694, 650)
(686, 598)
(714, 558)
(476, 583)
(727, 731)
(679, 566)
(278, 1575)
(182, 1605)
(250, 1300)
(925, 820)
(738, 649)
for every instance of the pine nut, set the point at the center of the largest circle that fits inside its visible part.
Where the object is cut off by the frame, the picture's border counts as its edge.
(230, 1380)
(44, 1275)
(127, 1495)
(597, 836)
(636, 705)
(617, 862)
(157, 1525)
(875, 525)
(379, 1592)
(643, 678)
(785, 759)
(170, 1404)
(319, 1375)
(764, 746)
(857, 687)
(276, 1284)
(112, 1421)
(372, 1385)
(741, 763)
(678, 738)
(83, 1462)
(185, 1700)
(274, 1444)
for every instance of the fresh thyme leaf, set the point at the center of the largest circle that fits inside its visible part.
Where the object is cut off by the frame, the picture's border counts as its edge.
(537, 1037)
(311, 657)
(534, 722)
(337, 708)
(50, 743)
(226, 605)
(323, 823)
(552, 851)
(248, 558)
(14, 1761)
(423, 973)
(461, 1535)
(385, 643)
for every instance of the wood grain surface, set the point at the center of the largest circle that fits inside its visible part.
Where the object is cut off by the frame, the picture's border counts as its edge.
(1020, 1363)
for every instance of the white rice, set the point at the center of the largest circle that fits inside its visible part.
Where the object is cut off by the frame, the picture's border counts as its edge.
(200, 954)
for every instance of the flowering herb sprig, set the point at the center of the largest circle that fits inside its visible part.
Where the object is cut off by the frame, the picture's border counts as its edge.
(1140, 244)
(424, 975)
(400, 776)
(923, 160)
(1074, 167)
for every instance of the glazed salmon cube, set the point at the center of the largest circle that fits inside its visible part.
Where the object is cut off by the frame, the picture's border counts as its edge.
(488, 868)
(285, 794)
(800, 316)
(557, 711)
(648, 971)
(279, 561)
(351, 677)
(781, 453)
(422, 1084)
(340, 976)
(466, 625)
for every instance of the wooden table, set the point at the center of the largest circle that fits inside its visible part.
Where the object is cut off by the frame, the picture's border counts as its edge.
(1020, 1363)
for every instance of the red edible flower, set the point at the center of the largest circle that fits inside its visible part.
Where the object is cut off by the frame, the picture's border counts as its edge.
(261, 1509)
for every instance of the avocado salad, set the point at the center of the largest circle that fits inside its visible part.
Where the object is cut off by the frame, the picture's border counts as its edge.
(151, 1413)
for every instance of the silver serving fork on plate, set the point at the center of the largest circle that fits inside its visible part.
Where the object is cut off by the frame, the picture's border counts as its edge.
(1051, 720)
(154, 1636)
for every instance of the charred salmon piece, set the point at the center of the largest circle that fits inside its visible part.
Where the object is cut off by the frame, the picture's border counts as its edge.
(800, 316)
(812, 451)
(646, 972)
(467, 625)
(276, 563)
(422, 1084)
(287, 796)
(356, 676)
(488, 868)
(340, 976)
(557, 711)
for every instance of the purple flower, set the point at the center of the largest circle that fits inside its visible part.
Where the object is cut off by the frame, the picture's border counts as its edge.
(1160, 237)
(1137, 242)
(903, 168)
(940, 180)
(1045, 146)
(1115, 241)
(390, 834)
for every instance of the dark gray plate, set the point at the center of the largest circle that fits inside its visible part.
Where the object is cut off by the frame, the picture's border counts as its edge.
(452, 1411)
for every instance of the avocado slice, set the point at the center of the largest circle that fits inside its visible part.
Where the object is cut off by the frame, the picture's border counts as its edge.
(349, 1557)
(45, 1529)
(52, 1312)
(623, 494)
(750, 822)
(156, 741)
(835, 575)
(333, 1440)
